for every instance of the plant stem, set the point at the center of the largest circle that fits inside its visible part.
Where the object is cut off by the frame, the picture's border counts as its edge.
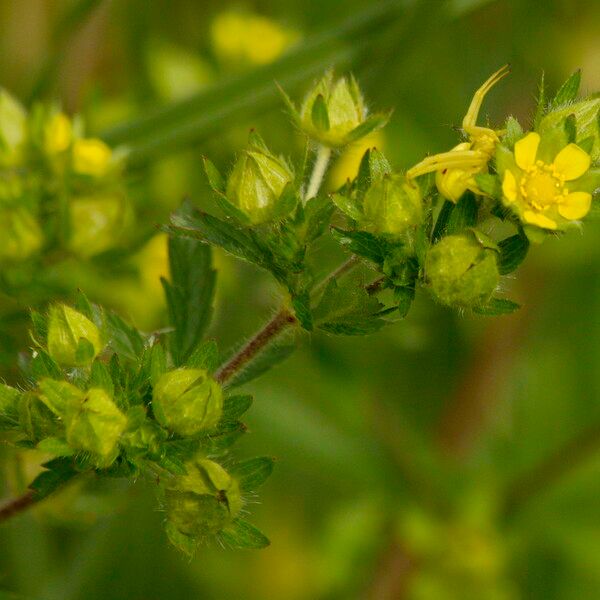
(17, 505)
(318, 172)
(281, 321)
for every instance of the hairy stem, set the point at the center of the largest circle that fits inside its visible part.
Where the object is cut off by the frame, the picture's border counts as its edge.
(16, 505)
(281, 321)
(318, 172)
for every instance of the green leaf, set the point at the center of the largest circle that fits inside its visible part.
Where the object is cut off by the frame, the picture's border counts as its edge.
(242, 534)
(319, 114)
(9, 411)
(215, 179)
(441, 223)
(205, 356)
(347, 310)
(189, 294)
(513, 251)
(211, 230)
(42, 365)
(567, 92)
(362, 243)
(497, 306)
(235, 406)
(124, 339)
(463, 214)
(252, 473)
(316, 217)
(59, 472)
(100, 377)
(369, 125)
(55, 446)
(301, 306)
(373, 167)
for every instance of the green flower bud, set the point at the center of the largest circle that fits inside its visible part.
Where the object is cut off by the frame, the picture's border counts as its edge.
(204, 501)
(13, 128)
(392, 205)
(96, 425)
(73, 340)
(21, 235)
(332, 110)
(462, 270)
(97, 223)
(187, 401)
(256, 185)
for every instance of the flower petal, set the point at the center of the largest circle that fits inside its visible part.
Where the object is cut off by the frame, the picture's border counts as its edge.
(572, 162)
(526, 150)
(538, 219)
(509, 186)
(576, 205)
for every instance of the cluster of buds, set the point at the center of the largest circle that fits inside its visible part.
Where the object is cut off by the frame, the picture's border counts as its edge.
(49, 168)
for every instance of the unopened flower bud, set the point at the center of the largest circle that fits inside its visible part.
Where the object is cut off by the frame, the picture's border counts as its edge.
(257, 183)
(462, 270)
(73, 340)
(392, 205)
(13, 128)
(96, 425)
(204, 501)
(91, 157)
(187, 401)
(97, 223)
(20, 233)
(332, 110)
(58, 134)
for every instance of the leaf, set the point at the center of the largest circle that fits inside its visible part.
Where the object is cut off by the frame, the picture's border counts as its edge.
(124, 339)
(215, 179)
(252, 473)
(42, 365)
(567, 92)
(319, 114)
(235, 406)
(463, 214)
(189, 294)
(317, 215)
(373, 167)
(100, 377)
(441, 223)
(348, 205)
(301, 306)
(59, 472)
(497, 306)
(369, 125)
(242, 534)
(205, 356)
(347, 310)
(55, 446)
(513, 251)
(277, 351)
(9, 412)
(362, 243)
(199, 225)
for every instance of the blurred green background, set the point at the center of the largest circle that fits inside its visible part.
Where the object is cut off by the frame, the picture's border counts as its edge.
(450, 457)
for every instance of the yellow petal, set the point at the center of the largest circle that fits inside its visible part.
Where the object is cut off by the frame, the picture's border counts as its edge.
(576, 205)
(572, 162)
(526, 150)
(509, 186)
(538, 219)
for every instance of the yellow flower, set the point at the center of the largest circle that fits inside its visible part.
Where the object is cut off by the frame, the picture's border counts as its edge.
(542, 193)
(455, 170)
(346, 166)
(91, 156)
(58, 134)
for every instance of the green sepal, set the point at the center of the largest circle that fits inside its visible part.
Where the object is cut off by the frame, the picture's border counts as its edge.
(205, 356)
(215, 179)
(301, 306)
(9, 407)
(368, 245)
(235, 406)
(373, 167)
(100, 377)
(567, 92)
(489, 185)
(56, 446)
(514, 132)
(513, 251)
(184, 543)
(252, 473)
(496, 307)
(348, 205)
(319, 114)
(57, 473)
(243, 535)
(124, 339)
(369, 125)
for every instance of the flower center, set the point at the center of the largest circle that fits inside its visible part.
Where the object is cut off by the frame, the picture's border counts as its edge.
(541, 186)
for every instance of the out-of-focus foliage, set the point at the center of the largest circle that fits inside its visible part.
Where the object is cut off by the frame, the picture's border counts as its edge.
(371, 433)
